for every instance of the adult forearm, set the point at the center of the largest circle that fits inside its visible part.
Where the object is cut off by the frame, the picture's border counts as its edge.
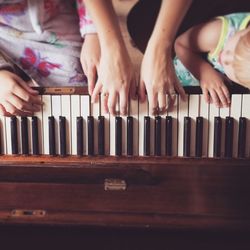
(104, 17)
(169, 19)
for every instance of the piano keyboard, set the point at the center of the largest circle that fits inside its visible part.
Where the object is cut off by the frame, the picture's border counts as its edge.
(69, 124)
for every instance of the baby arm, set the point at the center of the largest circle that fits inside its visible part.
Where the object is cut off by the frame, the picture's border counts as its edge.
(189, 46)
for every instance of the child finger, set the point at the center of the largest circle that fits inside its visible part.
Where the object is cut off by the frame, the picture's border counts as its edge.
(215, 98)
(3, 112)
(206, 95)
(12, 110)
(25, 86)
(222, 98)
(21, 105)
(26, 96)
(91, 78)
(112, 100)
(226, 93)
(96, 92)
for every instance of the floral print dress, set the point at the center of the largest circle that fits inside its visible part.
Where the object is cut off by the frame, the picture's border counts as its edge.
(44, 38)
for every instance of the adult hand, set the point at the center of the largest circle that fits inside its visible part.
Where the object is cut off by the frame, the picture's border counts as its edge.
(159, 79)
(90, 58)
(115, 78)
(16, 97)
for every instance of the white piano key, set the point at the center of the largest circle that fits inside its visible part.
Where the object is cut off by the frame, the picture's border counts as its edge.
(143, 111)
(193, 114)
(182, 112)
(8, 136)
(56, 112)
(39, 116)
(66, 112)
(134, 112)
(246, 114)
(85, 112)
(3, 135)
(106, 131)
(124, 134)
(174, 114)
(75, 112)
(112, 130)
(224, 112)
(213, 112)
(163, 135)
(204, 112)
(235, 112)
(46, 113)
(95, 112)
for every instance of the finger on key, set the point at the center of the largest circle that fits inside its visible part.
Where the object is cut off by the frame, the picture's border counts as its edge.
(96, 92)
(162, 102)
(142, 91)
(123, 102)
(91, 78)
(112, 100)
(222, 98)
(180, 90)
(153, 103)
(12, 110)
(206, 95)
(104, 102)
(226, 93)
(215, 98)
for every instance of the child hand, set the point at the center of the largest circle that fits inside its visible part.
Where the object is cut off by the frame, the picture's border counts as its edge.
(16, 97)
(214, 88)
(90, 58)
(159, 78)
(115, 77)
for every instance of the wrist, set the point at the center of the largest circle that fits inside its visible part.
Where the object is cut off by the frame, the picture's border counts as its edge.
(161, 45)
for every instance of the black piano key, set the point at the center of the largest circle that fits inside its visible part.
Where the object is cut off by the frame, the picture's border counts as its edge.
(35, 138)
(130, 135)
(24, 135)
(229, 137)
(186, 136)
(217, 136)
(79, 135)
(52, 140)
(101, 135)
(90, 122)
(242, 137)
(146, 145)
(62, 131)
(199, 136)
(14, 140)
(118, 136)
(158, 136)
(169, 122)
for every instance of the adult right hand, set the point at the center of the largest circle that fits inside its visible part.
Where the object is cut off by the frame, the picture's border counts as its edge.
(16, 97)
(159, 79)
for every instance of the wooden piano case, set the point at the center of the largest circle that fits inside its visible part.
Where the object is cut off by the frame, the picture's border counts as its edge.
(124, 203)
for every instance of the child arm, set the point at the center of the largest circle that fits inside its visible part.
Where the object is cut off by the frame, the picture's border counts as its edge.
(203, 38)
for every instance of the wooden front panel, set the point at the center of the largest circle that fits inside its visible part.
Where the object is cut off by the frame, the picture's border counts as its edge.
(168, 193)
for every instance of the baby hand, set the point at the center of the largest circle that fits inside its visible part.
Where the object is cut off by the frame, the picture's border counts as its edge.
(214, 89)
(16, 97)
